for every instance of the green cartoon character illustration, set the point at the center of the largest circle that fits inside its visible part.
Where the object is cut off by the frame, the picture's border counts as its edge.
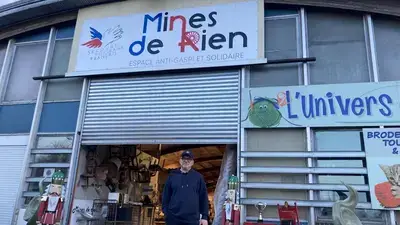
(264, 112)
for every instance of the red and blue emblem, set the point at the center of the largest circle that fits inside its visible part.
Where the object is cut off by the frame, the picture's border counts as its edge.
(95, 37)
(104, 39)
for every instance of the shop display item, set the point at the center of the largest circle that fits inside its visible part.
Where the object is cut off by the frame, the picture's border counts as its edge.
(260, 209)
(30, 215)
(288, 214)
(52, 201)
(228, 167)
(343, 211)
(231, 214)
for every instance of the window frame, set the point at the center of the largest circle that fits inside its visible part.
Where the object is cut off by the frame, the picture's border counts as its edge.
(316, 194)
(376, 53)
(7, 67)
(315, 149)
(298, 41)
(367, 38)
(54, 40)
(53, 50)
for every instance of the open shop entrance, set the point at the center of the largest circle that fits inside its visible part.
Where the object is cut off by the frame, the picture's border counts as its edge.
(123, 184)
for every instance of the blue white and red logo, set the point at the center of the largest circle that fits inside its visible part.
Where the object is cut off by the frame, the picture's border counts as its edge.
(104, 39)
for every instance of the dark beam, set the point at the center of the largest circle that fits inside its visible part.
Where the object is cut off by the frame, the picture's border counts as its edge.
(292, 60)
(211, 177)
(207, 159)
(209, 186)
(212, 181)
(211, 169)
(205, 170)
(268, 62)
(178, 148)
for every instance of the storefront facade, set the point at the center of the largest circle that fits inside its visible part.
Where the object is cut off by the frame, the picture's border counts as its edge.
(301, 159)
(187, 83)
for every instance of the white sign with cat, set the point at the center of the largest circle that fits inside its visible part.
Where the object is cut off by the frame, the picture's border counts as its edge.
(383, 162)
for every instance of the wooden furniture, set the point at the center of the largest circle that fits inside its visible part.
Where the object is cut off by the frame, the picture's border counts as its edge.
(288, 214)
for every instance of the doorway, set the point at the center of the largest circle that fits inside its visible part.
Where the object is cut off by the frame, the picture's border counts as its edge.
(123, 184)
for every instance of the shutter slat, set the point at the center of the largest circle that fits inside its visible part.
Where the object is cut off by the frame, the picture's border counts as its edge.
(11, 161)
(179, 109)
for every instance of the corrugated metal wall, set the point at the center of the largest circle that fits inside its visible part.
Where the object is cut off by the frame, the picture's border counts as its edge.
(11, 161)
(186, 108)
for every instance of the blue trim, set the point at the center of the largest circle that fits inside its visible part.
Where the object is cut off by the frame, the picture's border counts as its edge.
(59, 117)
(16, 118)
(36, 35)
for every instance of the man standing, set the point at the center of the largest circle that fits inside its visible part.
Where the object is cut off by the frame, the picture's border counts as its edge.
(185, 195)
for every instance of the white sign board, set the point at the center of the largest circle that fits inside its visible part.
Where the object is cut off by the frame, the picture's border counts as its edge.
(80, 205)
(383, 162)
(328, 105)
(219, 35)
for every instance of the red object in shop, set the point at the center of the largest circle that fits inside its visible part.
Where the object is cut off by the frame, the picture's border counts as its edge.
(255, 223)
(235, 220)
(289, 213)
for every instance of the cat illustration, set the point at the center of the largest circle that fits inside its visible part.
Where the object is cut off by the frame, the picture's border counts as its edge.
(393, 175)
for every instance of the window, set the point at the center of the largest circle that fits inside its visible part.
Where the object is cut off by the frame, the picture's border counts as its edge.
(342, 141)
(387, 39)
(63, 89)
(51, 158)
(58, 117)
(35, 186)
(282, 41)
(367, 216)
(337, 40)
(276, 140)
(52, 153)
(16, 118)
(54, 142)
(277, 178)
(59, 63)
(28, 62)
(27, 56)
(3, 49)
(38, 172)
(345, 140)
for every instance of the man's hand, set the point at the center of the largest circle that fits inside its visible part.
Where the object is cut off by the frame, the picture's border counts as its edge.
(203, 222)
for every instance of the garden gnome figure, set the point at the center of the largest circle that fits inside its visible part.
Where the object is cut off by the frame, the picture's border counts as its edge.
(52, 201)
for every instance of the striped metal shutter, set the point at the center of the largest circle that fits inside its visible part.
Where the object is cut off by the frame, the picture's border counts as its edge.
(11, 165)
(185, 108)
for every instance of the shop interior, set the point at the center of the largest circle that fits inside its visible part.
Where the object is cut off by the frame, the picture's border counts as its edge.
(123, 184)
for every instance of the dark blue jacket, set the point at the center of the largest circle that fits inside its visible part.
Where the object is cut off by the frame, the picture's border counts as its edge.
(185, 197)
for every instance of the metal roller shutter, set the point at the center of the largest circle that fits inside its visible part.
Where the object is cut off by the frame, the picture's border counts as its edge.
(11, 165)
(195, 108)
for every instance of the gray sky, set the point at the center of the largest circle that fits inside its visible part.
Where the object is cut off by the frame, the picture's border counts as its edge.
(4, 2)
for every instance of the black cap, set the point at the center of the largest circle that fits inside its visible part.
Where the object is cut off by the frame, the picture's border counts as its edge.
(187, 154)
